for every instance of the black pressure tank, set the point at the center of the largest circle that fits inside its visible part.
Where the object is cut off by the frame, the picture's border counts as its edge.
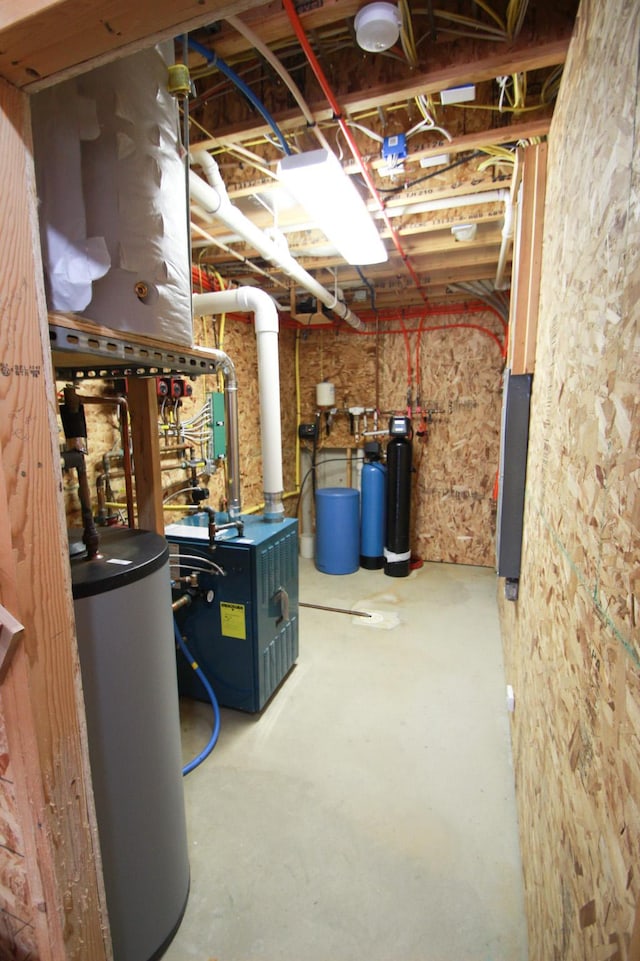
(397, 551)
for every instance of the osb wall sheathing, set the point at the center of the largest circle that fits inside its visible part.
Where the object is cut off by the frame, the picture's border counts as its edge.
(456, 380)
(16, 906)
(456, 371)
(239, 342)
(572, 645)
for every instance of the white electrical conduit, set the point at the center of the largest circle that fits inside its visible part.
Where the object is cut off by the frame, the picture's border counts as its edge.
(256, 301)
(213, 198)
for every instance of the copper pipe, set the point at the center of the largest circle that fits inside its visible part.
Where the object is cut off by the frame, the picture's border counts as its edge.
(121, 403)
(77, 459)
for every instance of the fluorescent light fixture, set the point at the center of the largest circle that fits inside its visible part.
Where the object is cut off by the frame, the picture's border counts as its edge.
(458, 94)
(320, 185)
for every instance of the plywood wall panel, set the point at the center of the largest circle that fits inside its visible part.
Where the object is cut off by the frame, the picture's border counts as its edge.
(572, 645)
(455, 377)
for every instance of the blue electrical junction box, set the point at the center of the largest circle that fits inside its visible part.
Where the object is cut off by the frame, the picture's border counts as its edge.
(241, 625)
(394, 149)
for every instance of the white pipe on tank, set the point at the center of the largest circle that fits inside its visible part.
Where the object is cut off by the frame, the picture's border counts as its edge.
(260, 304)
(213, 198)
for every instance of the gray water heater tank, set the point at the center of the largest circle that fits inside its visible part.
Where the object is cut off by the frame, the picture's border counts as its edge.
(122, 602)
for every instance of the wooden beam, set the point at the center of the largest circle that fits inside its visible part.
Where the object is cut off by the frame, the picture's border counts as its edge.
(44, 41)
(489, 137)
(468, 67)
(296, 217)
(527, 259)
(272, 24)
(482, 180)
(143, 408)
(492, 137)
(42, 707)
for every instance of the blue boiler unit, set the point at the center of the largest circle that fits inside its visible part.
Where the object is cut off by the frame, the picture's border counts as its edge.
(241, 625)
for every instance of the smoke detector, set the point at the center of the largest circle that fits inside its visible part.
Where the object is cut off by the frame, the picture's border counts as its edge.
(377, 26)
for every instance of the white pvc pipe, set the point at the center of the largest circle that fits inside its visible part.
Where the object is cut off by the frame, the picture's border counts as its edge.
(500, 283)
(256, 301)
(213, 198)
(448, 203)
(499, 195)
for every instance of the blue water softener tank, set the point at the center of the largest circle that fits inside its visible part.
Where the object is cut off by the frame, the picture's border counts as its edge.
(337, 530)
(397, 552)
(373, 509)
(124, 624)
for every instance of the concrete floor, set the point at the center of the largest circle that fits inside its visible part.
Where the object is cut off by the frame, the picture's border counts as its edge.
(369, 813)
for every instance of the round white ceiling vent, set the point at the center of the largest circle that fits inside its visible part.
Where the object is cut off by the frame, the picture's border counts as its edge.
(377, 26)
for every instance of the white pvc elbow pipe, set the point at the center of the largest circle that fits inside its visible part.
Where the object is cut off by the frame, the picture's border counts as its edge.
(256, 301)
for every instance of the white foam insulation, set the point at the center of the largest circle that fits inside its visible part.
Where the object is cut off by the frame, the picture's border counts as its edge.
(112, 194)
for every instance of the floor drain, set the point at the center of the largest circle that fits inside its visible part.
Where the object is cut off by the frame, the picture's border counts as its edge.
(381, 620)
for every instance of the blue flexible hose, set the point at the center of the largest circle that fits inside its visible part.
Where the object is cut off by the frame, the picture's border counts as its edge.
(214, 703)
(224, 68)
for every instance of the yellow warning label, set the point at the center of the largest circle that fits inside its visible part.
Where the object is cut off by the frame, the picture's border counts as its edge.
(232, 620)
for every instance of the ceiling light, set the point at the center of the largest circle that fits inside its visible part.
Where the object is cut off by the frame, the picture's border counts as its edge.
(464, 232)
(320, 185)
(377, 26)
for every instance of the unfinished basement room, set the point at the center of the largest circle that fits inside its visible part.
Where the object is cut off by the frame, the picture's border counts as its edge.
(319, 486)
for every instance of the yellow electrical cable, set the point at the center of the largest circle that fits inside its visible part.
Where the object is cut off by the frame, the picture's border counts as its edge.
(551, 85)
(491, 33)
(499, 152)
(222, 286)
(516, 10)
(258, 507)
(519, 90)
(298, 405)
(407, 39)
(488, 106)
(491, 13)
